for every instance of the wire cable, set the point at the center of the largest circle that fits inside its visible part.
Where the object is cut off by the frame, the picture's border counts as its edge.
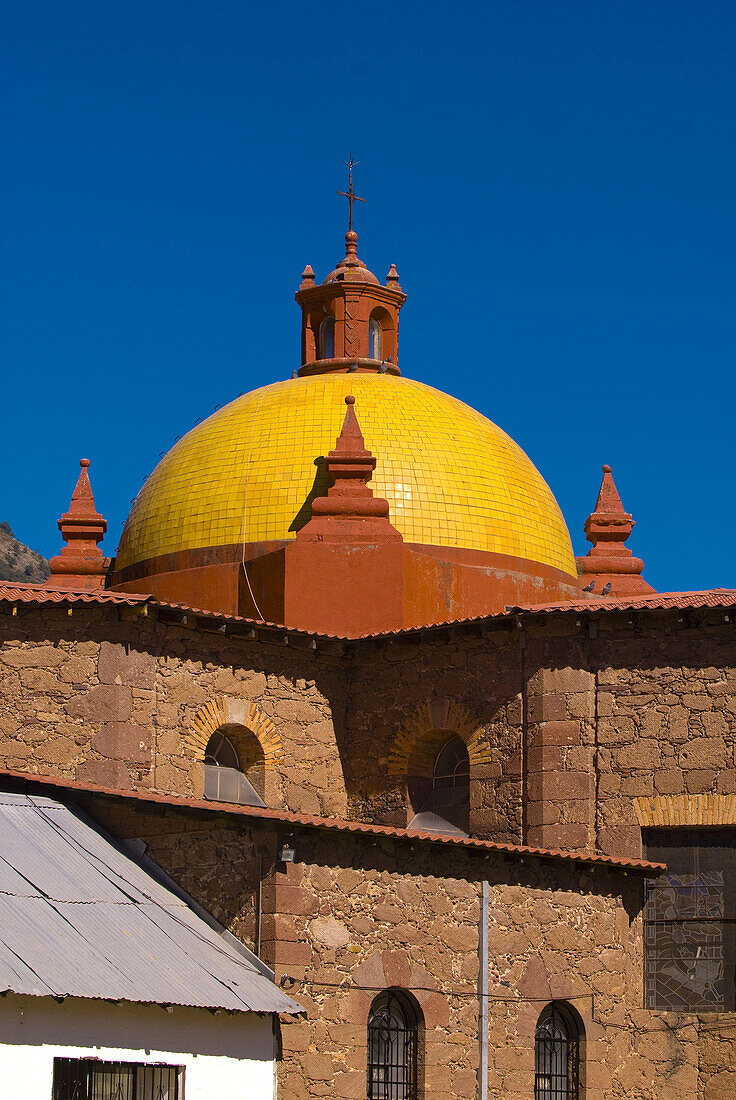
(245, 506)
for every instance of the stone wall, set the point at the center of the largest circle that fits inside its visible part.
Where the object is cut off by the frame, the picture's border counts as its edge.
(356, 914)
(391, 686)
(111, 701)
(566, 730)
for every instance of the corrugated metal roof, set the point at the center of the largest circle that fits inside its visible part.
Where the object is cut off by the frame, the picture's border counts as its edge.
(78, 918)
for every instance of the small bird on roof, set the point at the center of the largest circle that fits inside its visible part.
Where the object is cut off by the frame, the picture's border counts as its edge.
(606, 590)
(589, 587)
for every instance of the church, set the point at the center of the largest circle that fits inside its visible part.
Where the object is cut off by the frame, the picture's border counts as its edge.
(468, 802)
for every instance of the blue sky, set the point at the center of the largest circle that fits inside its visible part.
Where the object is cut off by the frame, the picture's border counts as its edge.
(554, 181)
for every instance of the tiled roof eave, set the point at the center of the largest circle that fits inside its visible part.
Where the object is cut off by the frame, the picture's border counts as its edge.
(287, 817)
(261, 630)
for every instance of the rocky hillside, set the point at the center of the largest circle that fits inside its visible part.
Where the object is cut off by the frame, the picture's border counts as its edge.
(18, 562)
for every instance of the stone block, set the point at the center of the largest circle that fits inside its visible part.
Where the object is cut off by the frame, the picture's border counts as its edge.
(122, 664)
(123, 741)
(104, 773)
(329, 932)
(104, 703)
(546, 708)
(552, 734)
(295, 900)
(622, 841)
(544, 758)
(33, 656)
(704, 752)
(571, 785)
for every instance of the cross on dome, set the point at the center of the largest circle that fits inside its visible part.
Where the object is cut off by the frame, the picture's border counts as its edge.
(350, 193)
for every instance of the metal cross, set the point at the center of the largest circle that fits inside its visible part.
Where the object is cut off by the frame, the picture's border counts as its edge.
(350, 194)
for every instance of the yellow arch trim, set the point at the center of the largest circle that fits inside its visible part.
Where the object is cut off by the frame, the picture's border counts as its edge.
(686, 809)
(224, 711)
(423, 733)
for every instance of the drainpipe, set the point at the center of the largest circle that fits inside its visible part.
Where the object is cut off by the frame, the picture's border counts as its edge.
(483, 993)
(259, 905)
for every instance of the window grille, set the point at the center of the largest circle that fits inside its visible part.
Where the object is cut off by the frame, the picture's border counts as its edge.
(90, 1079)
(690, 920)
(451, 784)
(392, 1048)
(556, 1055)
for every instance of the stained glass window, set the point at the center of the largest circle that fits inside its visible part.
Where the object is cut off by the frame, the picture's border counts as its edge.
(690, 920)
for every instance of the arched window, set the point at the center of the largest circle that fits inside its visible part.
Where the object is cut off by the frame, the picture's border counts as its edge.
(374, 338)
(225, 778)
(451, 783)
(443, 798)
(557, 1055)
(393, 1031)
(327, 338)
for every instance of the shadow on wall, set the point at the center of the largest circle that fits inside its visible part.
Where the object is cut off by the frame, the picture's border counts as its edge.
(76, 1022)
(320, 485)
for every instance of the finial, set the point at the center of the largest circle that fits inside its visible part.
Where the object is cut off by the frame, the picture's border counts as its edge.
(307, 277)
(81, 563)
(350, 193)
(350, 400)
(392, 279)
(351, 244)
(610, 563)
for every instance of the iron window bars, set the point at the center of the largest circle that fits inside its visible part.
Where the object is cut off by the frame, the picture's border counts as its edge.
(392, 1048)
(90, 1079)
(556, 1055)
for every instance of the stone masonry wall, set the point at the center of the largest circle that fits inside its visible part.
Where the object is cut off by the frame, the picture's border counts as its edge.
(354, 915)
(390, 686)
(110, 702)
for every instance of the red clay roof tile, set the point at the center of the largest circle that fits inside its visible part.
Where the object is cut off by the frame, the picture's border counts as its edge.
(716, 597)
(339, 825)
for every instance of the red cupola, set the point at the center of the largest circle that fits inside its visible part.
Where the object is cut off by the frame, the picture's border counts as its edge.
(350, 322)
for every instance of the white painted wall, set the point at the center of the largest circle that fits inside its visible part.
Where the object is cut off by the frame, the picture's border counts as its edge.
(225, 1057)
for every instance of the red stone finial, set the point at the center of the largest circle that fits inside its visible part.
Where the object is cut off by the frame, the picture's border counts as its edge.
(351, 245)
(610, 564)
(307, 277)
(80, 564)
(392, 279)
(349, 467)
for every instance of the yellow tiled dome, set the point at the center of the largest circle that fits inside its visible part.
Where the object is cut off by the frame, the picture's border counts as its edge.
(451, 477)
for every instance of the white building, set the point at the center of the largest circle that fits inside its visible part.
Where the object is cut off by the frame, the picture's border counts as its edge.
(113, 988)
